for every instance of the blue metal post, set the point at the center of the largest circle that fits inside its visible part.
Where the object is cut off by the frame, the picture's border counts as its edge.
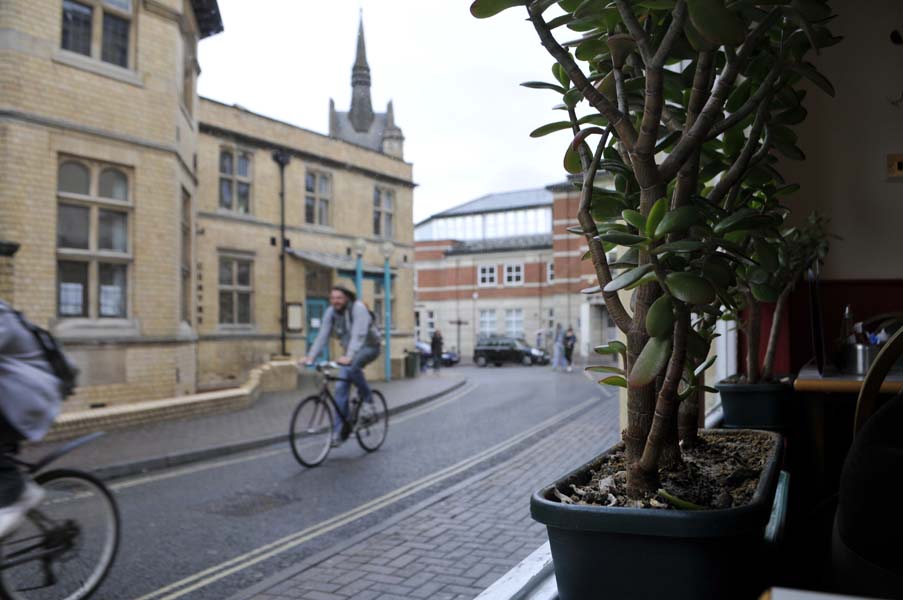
(387, 294)
(359, 277)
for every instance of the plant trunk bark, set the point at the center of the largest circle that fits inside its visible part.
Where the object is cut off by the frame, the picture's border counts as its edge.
(771, 349)
(752, 340)
(688, 417)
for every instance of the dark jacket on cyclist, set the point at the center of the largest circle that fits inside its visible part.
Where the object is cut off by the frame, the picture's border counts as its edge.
(353, 327)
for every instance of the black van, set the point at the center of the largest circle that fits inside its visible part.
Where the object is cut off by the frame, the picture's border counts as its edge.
(502, 349)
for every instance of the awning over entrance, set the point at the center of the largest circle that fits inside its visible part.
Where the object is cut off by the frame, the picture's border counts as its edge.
(343, 264)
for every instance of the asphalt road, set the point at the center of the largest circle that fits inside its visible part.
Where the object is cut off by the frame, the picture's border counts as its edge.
(211, 529)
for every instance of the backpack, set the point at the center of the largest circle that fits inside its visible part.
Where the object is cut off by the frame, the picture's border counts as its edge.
(62, 367)
(373, 333)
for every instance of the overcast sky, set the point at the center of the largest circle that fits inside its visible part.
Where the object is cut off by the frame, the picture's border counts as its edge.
(453, 79)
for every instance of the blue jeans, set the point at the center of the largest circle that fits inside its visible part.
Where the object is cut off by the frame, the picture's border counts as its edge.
(354, 373)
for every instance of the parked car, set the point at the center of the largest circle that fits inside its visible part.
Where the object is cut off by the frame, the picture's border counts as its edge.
(502, 349)
(449, 357)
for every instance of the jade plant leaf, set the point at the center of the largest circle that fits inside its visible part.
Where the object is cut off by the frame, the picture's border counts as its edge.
(690, 288)
(716, 23)
(660, 318)
(483, 9)
(650, 362)
(627, 278)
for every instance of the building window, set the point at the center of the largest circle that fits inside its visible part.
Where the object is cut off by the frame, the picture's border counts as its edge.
(514, 274)
(383, 212)
(379, 304)
(550, 271)
(189, 70)
(92, 239)
(317, 196)
(235, 180)
(487, 321)
(488, 276)
(416, 325)
(430, 324)
(551, 318)
(514, 322)
(98, 28)
(235, 290)
(186, 260)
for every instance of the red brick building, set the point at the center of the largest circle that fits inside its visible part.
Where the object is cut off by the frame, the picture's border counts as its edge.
(505, 264)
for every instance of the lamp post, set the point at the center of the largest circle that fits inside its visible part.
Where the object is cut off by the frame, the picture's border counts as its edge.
(387, 249)
(281, 157)
(360, 245)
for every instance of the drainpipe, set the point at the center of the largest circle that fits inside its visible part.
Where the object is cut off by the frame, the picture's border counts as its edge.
(360, 245)
(387, 295)
(282, 159)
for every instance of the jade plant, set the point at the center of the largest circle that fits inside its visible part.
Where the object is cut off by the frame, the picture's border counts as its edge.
(682, 103)
(781, 258)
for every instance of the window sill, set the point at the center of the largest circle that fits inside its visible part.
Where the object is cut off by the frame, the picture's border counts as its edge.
(236, 329)
(98, 67)
(81, 328)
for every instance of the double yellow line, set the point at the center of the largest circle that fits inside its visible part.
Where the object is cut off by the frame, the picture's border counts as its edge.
(208, 576)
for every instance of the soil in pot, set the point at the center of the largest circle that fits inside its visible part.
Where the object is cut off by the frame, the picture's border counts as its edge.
(721, 472)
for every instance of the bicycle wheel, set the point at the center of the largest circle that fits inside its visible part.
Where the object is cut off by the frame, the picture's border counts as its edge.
(311, 432)
(66, 546)
(372, 423)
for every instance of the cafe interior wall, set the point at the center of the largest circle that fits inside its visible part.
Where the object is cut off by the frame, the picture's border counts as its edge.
(847, 141)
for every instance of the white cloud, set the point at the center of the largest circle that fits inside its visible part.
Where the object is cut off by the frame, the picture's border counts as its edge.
(454, 81)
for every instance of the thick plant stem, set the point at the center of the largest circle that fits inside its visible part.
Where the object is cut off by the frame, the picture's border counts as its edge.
(752, 340)
(771, 349)
(688, 416)
(666, 405)
(670, 458)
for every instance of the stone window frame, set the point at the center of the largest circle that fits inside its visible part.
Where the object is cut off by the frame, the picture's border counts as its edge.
(234, 288)
(513, 274)
(99, 10)
(383, 215)
(512, 317)
(379, 308)
(488, 326)
(190, 71)
(186, 259)
(317, 197)
(234, 178)
(484, 275)
(93, 256)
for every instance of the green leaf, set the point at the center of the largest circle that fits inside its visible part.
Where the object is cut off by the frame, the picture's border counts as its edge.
(650, 362)
(757, 275)
(716, 23)
(657, 4)
(572, 97)
(613, 347)
(656, 213)
(696, 39)
(627, 278)
(549, 128)
(679, 219)
(704, 366)
(572, 162)
(605, 369)
(615, 380)
(809, 71)
(791, 151)
(622, 239)
(812, 10)
(660, 318)
(483, 9)
(680, 246)
(589, 49)
(764, 293)
(542, 85)
(635, 218)
(690, 288)
(595, 289)
(561, 76)
(718, 271)
(766, 254)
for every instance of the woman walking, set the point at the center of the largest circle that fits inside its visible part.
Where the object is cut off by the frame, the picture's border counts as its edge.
(570, 340)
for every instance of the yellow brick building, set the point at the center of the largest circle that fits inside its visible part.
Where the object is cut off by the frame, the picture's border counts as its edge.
(148, 220)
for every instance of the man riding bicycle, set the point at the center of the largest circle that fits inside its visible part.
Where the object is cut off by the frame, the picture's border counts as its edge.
(351, 322)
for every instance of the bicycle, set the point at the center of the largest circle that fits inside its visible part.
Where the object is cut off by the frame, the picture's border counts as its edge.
(310, 435)
(77, 525)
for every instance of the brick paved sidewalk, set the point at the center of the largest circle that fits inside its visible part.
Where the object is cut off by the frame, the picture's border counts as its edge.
(458, 544)
(156, 445)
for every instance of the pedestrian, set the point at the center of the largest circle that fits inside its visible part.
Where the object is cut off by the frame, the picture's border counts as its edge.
(558, 348)
(436, 349)
(540, 338)
(31, 392)
(570, 340)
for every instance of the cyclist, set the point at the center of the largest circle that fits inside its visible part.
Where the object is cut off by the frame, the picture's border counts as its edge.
(348, 319)
(30, 397)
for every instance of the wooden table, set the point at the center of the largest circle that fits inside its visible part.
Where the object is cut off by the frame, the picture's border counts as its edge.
(810, 380)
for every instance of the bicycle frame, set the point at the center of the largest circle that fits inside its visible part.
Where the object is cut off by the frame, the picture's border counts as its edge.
(353, 403)
(33, 468)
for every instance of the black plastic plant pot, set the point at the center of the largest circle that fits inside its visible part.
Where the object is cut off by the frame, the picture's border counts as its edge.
(757, 405)
(635, 553)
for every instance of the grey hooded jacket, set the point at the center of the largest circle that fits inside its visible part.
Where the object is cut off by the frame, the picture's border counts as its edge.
(30, 393)
(354, 328)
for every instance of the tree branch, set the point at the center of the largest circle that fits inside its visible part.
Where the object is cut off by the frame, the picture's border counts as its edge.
(738, 169)
(678, 17)
(749, 106)
(618, 119)
(688, 176)
(635, 29)
(776, 318)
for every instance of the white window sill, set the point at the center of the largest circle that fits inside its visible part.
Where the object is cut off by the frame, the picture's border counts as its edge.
(226, 328)
(98, 67)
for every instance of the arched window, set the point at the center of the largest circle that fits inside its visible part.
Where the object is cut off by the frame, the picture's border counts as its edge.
(113, 184)
(74, 178)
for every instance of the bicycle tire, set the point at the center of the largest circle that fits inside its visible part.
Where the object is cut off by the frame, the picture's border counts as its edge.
(60, 506)
(318, 434)
(369, 435)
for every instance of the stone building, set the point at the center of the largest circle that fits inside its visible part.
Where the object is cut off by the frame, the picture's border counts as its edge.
(148, 219)
(504, 264)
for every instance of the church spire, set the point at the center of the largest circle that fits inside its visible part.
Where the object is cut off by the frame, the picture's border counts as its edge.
(361, 113)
